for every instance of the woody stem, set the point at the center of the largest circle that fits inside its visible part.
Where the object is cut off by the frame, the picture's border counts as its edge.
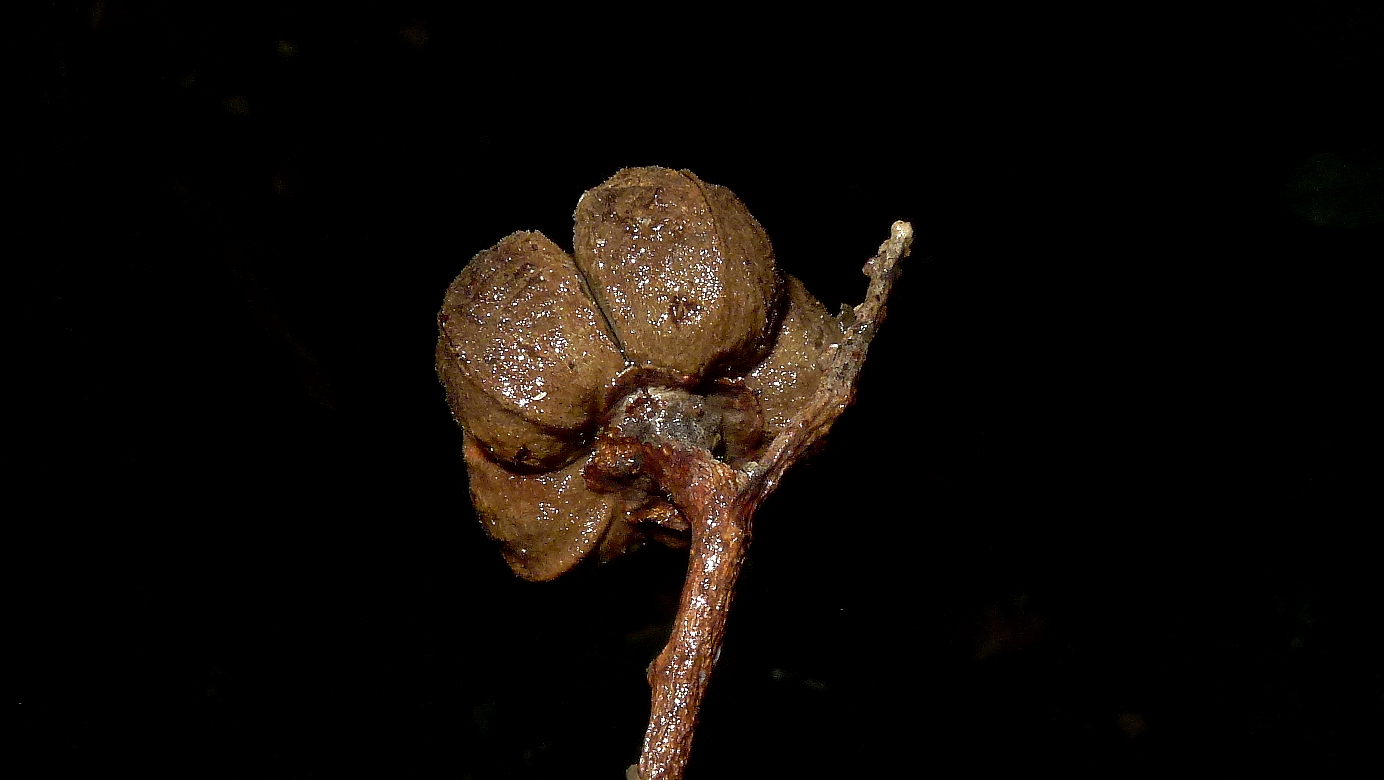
(706, 493)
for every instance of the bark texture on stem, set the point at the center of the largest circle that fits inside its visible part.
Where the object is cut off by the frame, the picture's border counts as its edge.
(720, 539)
(719, 501)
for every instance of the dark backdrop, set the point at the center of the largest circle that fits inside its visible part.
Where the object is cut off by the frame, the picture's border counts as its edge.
(1091, 511)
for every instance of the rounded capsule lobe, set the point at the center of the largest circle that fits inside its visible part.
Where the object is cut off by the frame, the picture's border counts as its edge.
(545, 522)
(523, 352)
(548, 522)
(805, 343)
(682, 271)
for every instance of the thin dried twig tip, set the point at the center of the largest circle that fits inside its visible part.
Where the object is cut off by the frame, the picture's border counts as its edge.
(900, 240)
(894, 249)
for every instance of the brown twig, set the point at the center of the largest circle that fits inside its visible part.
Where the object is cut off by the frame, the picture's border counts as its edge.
(719, 501)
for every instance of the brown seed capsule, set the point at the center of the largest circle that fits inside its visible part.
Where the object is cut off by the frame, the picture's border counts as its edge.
(673, 286)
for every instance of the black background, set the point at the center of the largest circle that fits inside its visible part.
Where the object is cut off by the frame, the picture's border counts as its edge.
(1091, 512)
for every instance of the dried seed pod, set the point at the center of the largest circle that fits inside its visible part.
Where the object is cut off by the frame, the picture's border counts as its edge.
(673, 286)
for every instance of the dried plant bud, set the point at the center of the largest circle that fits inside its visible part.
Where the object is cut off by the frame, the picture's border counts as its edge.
(673, 293)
